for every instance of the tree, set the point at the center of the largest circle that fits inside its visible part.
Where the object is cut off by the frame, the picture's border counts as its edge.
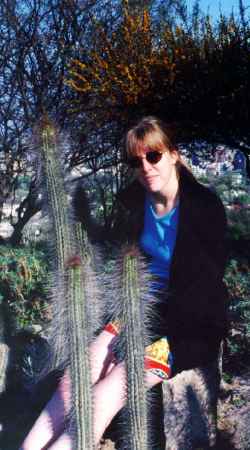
(37, 40)
(197, 77)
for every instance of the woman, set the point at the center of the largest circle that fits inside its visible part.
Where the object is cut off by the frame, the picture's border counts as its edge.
(180, 225)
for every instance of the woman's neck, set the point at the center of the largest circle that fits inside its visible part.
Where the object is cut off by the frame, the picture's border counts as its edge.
(163, 202)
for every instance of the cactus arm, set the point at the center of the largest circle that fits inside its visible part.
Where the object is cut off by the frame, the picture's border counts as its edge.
(134, 345)
(79, 361)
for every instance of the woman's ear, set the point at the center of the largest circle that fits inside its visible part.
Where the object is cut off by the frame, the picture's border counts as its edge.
(175, 156)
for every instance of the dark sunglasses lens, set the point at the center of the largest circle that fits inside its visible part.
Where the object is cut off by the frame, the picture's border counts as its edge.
(153, 157)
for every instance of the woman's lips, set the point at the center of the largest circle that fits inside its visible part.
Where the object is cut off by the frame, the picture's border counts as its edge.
(149, 179)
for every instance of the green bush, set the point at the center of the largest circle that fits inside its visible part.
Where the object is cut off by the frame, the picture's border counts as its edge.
(23, 281)
(234, 191)
(232, 187)
(238, 282)
(239, 222)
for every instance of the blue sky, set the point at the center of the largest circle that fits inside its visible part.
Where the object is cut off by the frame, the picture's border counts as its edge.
(216, 5)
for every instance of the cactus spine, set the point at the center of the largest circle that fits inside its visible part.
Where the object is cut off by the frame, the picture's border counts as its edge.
(74, 282)
(134, 339)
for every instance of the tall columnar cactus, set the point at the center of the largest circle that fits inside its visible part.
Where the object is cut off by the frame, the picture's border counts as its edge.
(133, 314)
(75, 291)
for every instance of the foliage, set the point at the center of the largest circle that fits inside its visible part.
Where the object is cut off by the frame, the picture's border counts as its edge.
(238, 282)
(36, 39)
(239, 221)
(23, 276)
(167, 69)
(124, 80)
(233, 187)
(234, 190)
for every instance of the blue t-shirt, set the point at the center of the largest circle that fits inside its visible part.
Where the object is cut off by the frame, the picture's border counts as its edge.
(158, 240)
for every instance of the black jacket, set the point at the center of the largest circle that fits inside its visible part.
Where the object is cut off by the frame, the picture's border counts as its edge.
(195, 311)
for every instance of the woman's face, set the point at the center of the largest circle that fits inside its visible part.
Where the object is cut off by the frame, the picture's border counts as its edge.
(160, 177)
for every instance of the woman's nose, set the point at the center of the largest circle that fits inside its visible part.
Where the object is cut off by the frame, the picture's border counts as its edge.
(145, 165)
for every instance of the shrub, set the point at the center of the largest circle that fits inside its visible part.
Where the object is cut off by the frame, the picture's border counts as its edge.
(238, 221)
(233, 189)
(23, 278)
(238, 283)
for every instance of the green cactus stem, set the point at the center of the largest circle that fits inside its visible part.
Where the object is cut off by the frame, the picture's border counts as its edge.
(79, 359)
(93, 295)
(84, 313)
(134, 337)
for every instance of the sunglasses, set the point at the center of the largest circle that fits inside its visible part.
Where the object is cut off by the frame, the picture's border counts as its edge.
(152, 157)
